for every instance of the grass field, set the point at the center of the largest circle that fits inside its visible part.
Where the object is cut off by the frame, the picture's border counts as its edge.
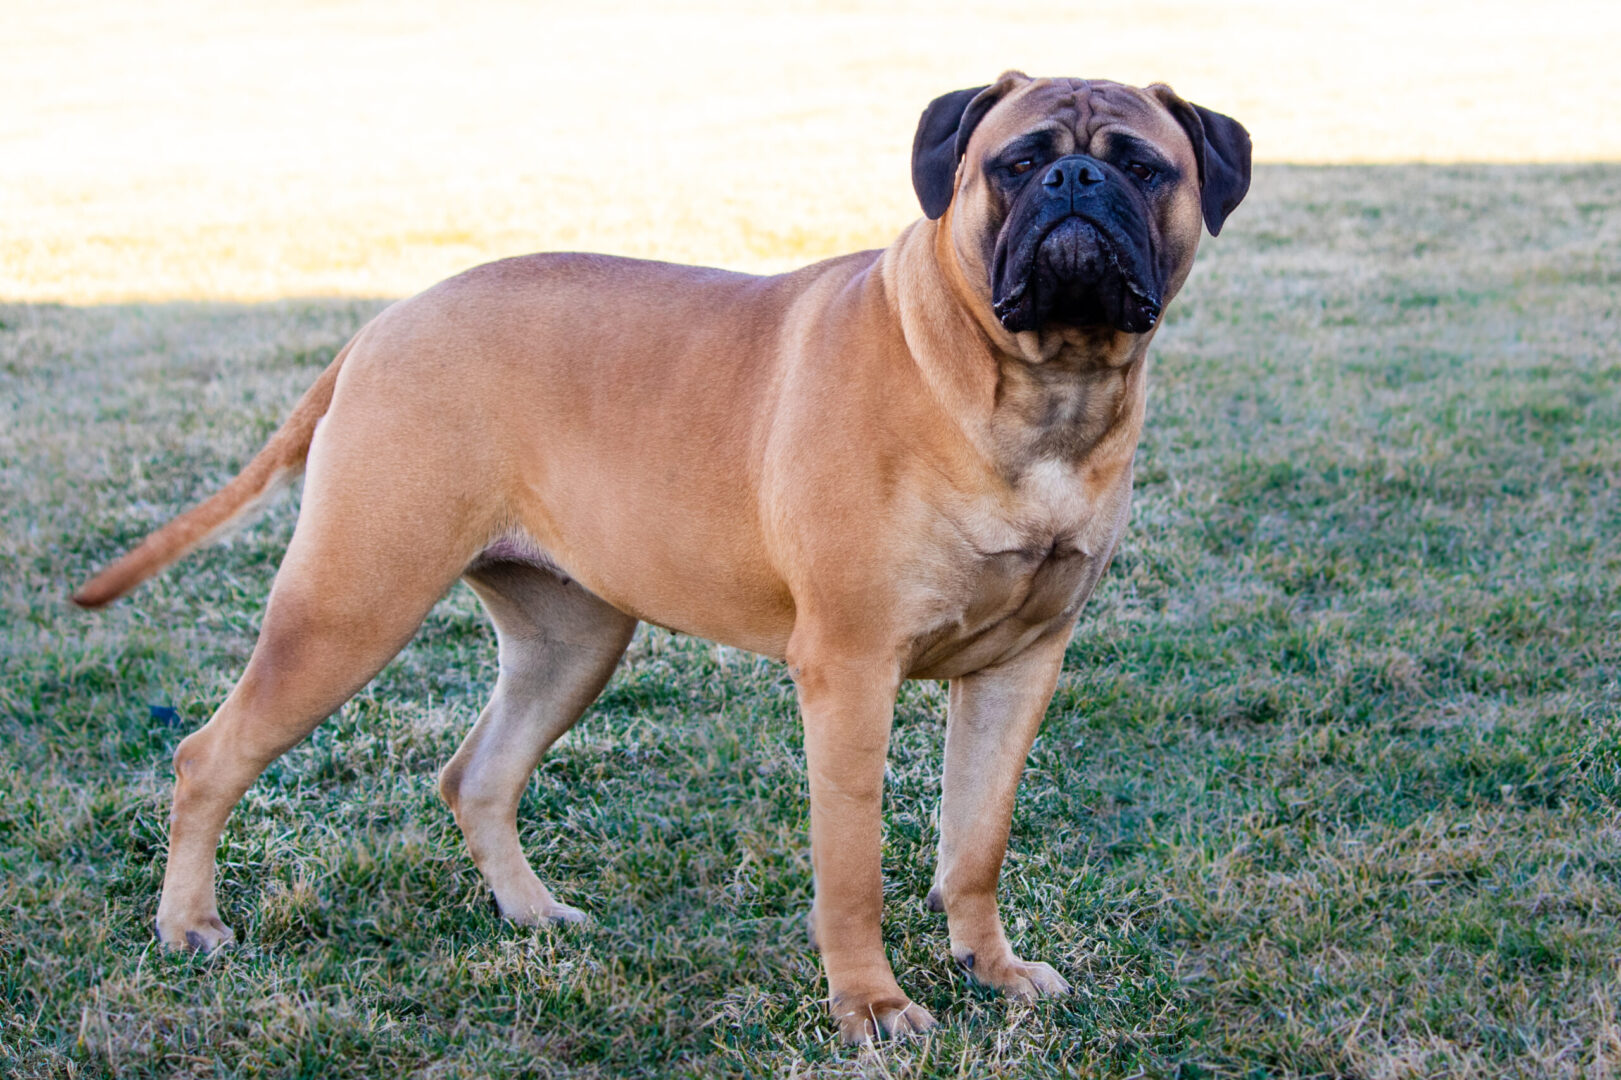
(1330, 786)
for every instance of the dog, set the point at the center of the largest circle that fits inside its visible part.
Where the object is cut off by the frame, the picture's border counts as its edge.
(912, 463)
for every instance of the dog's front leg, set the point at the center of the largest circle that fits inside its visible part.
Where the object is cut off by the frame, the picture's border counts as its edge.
(992, 718)
(847, 706)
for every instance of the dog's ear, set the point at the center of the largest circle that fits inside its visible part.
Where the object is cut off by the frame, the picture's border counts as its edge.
(1222, 148)
(934, 148)
(942, 138)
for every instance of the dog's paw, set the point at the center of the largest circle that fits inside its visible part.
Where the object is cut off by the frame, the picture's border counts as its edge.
(538, 912)
(861, 1020)
(202, 935)
(1016, 978)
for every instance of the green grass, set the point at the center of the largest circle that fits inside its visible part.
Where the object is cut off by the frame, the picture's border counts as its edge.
(1330, 786)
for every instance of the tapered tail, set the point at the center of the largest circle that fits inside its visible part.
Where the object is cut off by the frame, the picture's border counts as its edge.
(271, 471)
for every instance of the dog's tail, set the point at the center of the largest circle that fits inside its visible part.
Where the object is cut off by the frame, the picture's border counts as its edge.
(271, 471)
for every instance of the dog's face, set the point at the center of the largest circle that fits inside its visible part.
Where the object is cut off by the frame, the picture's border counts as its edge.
(1076, 203)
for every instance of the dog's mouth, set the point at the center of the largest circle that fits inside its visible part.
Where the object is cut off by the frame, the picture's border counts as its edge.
(1076, 271)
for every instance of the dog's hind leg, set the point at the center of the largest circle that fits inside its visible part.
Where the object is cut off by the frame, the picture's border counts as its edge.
(373, 550)
(558, 644)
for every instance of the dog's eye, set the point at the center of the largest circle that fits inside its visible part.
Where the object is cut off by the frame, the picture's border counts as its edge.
(1022, 166)
(1142, 172)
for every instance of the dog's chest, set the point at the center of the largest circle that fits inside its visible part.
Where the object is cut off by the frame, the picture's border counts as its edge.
(1035, 547)
(1027, 563)
(1030, 586)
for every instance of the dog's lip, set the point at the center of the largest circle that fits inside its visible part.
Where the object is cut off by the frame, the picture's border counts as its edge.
(1005, 306)
(1108, 246)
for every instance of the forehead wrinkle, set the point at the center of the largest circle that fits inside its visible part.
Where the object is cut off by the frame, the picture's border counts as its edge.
(1056, 114)
(1107, 109)
(1082, 92)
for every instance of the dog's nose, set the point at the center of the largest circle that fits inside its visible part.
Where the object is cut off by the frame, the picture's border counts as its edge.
(1081, 174)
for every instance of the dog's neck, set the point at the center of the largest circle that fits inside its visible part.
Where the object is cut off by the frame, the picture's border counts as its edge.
(1063, 394)
(1068, 409)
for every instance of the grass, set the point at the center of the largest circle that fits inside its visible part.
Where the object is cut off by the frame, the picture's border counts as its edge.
(1329, 788)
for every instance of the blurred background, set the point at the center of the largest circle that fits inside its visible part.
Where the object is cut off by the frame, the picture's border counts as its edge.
(174, 149)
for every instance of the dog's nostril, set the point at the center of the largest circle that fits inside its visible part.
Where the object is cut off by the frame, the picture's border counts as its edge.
(1088, 175)
(1054, 177)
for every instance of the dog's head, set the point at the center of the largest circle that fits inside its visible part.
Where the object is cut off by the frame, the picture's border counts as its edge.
(1076, 203)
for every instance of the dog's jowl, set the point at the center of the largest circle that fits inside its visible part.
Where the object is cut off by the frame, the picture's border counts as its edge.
(908, 463)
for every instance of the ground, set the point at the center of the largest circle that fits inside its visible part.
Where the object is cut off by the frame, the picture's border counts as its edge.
(1329, 788)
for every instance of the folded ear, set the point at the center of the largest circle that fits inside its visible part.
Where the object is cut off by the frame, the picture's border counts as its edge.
(1222, 148)
(942, 137)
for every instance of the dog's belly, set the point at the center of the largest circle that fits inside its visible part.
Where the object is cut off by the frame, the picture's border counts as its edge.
(730, 603)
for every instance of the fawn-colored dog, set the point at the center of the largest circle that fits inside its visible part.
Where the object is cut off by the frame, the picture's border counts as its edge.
(907, 463)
